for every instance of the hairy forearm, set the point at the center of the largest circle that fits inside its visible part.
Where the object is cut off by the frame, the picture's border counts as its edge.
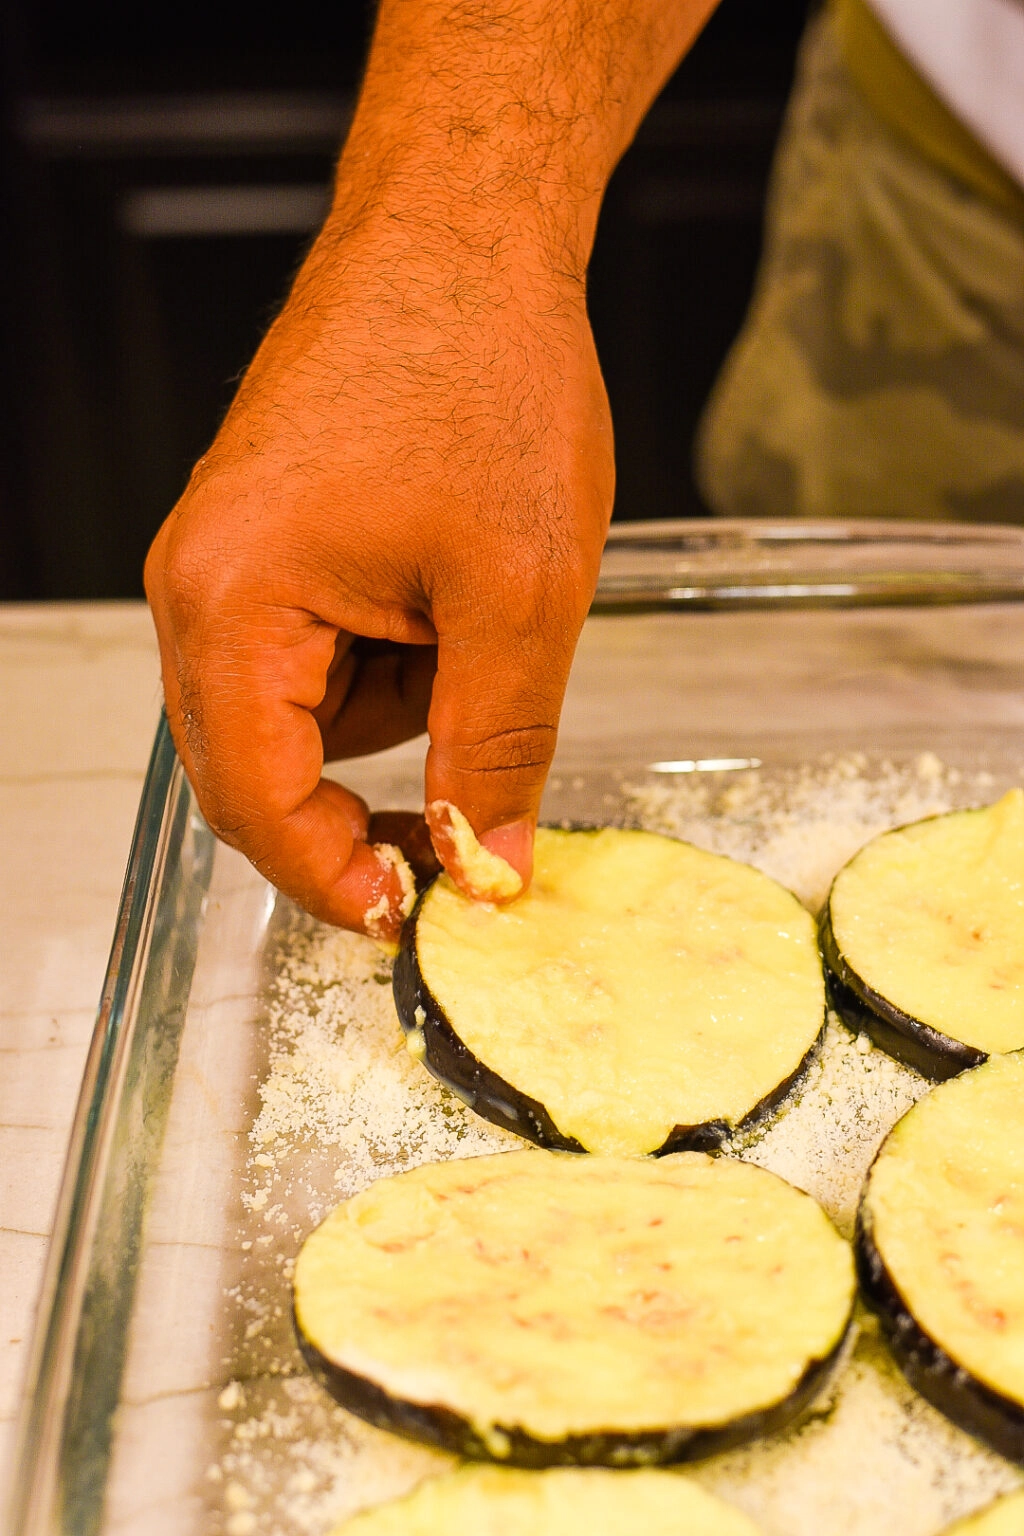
(466, 202)
(501, 121)
(420, 454)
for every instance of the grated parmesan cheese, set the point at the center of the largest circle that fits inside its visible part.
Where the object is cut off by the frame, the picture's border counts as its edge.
(826, 1135)
(341, 1101)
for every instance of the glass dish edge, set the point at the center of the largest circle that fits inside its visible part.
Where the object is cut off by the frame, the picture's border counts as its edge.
(160, 908)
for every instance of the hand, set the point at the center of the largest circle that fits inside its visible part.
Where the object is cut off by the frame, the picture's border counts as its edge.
(400, 523)
(398, 527)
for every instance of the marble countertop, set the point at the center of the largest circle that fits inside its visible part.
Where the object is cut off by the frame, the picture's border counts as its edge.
(79, 701)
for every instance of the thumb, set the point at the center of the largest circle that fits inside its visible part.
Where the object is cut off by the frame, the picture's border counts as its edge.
(493, 726)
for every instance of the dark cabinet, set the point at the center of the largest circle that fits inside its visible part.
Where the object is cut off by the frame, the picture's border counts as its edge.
(161, 186)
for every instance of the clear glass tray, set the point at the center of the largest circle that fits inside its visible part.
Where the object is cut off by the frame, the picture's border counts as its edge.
(246, 1071)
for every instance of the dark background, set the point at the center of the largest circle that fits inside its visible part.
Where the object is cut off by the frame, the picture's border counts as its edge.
(163, 167)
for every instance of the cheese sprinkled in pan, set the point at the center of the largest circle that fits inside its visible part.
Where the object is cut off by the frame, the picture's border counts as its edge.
(342, 1102)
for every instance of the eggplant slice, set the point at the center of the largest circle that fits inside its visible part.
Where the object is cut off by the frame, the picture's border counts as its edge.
(1003, 1518)
(940, 1249)
(923, 938)
(644, 996)
(564, 1501)
(542, 1309)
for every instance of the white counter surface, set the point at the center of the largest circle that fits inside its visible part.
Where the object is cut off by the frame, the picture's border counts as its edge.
(79, 700)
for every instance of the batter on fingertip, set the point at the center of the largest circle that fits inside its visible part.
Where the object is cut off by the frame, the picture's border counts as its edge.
(383, 919)
(486, 876)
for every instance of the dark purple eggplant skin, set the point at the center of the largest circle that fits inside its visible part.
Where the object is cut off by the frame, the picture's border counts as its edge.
(996, 1420)
(433, 1424)
(860, 1007)
(451, 1061)
(454, 1064)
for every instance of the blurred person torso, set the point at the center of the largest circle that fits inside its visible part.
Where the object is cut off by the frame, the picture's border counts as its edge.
(880, 371)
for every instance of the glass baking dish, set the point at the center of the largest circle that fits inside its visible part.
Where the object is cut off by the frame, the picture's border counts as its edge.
(778, 691)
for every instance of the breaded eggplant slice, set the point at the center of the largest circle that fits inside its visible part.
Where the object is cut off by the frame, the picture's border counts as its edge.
(940, 1249)
(923, 938)
(543, 1309)
(644, 996)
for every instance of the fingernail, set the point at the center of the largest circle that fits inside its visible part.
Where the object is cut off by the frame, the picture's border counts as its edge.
(513, 843)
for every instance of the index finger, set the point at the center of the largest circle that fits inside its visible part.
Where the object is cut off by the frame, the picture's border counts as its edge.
(243, 724)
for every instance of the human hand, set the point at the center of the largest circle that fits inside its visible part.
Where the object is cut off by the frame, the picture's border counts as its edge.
(400, 522)
(398, 527)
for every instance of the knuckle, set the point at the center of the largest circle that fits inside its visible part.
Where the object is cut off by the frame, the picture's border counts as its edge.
(194, 576)
(152, 570)
(199, 556)
(546, 595)
(519, 751)
(247, 833)
(222, 819)
(223, 802)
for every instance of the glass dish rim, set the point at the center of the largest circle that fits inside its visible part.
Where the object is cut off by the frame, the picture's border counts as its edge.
(47, 1381)
(725, 564)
